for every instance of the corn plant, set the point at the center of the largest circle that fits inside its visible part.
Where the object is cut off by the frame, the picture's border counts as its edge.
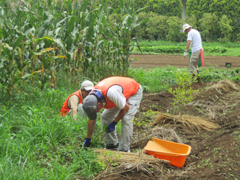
(39, 39)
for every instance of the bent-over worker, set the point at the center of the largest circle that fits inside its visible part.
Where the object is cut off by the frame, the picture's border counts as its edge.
(120, 97)
(73, 104)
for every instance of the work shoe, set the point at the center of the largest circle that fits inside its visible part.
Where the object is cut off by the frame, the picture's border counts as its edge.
(194, 79)
(198, 79)
(112, 146)
(128, 151)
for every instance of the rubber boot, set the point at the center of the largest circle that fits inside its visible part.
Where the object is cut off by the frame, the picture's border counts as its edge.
(194, 79)
(198, 77)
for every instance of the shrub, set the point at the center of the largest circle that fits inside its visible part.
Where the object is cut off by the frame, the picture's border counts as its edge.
(192, 20)
(157, 27)
(225, 28)
(143, 17)
(174, 27)
(209, 26)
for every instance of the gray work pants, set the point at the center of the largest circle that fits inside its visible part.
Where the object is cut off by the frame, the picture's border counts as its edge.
(109, 115)
(193, 64)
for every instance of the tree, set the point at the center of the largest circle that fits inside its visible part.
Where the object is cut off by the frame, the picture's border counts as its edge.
(161, 7)
(165, 8)
(141, 30)
(157, 27)
(184, 9)
(174, 26)
(209, 26)
(218, 7)
(192, 20)
(225, 28)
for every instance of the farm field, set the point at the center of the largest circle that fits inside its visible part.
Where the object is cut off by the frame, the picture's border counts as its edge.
(47, 48)
(215, 154)
(159, 60)
(56, 143)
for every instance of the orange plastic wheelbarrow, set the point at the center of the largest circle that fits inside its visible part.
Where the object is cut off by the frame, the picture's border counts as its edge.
(176, 153)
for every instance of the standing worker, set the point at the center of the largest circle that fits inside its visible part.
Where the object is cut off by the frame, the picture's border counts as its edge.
(120, 97)
(195, 41)
(73, 104)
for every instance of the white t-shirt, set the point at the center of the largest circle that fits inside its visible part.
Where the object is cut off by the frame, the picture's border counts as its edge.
(73, 102)
(195, 37)
(115, 95)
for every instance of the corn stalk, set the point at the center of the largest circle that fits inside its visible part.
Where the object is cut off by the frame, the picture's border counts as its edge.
(42, 38)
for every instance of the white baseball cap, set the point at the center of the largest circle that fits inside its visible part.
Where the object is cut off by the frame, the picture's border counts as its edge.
(87, 85)
(186, 26)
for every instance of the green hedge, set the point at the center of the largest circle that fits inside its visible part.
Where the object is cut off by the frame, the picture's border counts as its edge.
(180, 49)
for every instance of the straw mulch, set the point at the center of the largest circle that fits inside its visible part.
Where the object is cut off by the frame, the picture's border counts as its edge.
(126, 162)
(223, 86)
(124, 157)
(211, 107)
(167, 134)
(193, 122)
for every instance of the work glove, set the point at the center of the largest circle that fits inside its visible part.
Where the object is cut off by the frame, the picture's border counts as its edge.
(87, 142)
(111, 127)
(185, 53)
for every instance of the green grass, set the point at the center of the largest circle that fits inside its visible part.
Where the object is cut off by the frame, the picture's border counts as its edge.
(36, 143)
(154, 80)
(160, 79)
(177, 48)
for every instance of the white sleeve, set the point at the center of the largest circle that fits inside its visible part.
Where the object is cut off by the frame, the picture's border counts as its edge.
(73, 102)
(115, 95)
(189, 36)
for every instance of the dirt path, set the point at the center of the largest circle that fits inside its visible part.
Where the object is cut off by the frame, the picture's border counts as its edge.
(151, 61)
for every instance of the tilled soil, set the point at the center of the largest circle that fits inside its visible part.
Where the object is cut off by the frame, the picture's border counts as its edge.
(214, 155)
(152, 61)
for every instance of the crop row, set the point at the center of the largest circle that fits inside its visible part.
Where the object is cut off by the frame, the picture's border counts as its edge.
(38, 39)
(180, 49)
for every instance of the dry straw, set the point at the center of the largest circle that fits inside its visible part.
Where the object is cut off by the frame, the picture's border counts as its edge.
(167, 134)
(124, 157)
(224, 85)
(213, 108)
(193, 122)
(127, 162)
